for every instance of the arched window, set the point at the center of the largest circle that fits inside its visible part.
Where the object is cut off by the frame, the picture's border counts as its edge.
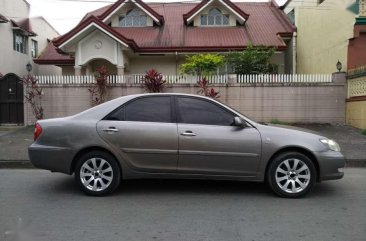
(215, 17)
(133, 18)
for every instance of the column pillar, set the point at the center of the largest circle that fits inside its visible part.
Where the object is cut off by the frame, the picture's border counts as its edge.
(77, 70)
(120, 70)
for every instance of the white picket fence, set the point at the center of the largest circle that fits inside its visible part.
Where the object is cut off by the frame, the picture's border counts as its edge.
(185, 79)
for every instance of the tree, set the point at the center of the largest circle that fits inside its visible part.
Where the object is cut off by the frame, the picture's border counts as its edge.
(33, 96)
(202, 64)
(253, 60)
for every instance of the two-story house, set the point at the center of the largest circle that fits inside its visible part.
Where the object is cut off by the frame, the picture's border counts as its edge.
(130, 37)
(21, 39)
(323, 30)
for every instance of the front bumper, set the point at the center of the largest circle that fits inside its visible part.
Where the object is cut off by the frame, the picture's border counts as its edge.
(56, 159)
(331, 165)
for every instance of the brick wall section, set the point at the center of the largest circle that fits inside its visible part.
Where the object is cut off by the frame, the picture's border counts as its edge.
(300, 102)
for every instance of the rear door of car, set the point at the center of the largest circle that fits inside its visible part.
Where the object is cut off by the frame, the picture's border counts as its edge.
(210, 144)
(144, 131)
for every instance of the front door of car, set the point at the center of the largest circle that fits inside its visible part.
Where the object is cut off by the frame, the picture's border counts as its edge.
(144, 133)
(210, 144)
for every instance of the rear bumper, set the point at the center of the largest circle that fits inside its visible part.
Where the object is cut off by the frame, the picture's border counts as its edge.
(331, 165)
(56, 159)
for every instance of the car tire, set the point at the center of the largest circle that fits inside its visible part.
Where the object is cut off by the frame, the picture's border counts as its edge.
(97, 173)
(291, 174)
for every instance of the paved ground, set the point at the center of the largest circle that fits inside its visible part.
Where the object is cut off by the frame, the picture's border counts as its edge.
(51, 207)
(14, 142)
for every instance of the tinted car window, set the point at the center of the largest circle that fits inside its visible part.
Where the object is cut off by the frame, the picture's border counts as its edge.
(149, 109)
(196, 111)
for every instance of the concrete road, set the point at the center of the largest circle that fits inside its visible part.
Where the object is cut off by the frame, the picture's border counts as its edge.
(43, 206)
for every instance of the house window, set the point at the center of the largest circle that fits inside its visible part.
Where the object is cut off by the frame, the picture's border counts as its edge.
(20, 43)
(133, 18)
(214, 18)
(34, 48)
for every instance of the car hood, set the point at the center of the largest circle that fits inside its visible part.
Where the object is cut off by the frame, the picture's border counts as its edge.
(295, 128)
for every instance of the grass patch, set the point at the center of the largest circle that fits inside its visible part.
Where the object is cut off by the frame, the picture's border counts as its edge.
(363, 132)
(276, 121)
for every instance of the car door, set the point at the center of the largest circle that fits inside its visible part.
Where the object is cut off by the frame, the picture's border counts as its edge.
(210, 144)
(144, 133)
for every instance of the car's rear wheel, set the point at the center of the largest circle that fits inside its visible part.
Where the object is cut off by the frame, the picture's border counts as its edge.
(97, 173)
(291, 174)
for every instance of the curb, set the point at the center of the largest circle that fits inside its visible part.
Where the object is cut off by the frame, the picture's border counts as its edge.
(26, 164)
(16, 164)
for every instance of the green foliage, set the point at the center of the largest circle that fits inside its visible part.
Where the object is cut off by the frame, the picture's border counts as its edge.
(276, 121)
(363, 132)
(202, 64)
(253, 60)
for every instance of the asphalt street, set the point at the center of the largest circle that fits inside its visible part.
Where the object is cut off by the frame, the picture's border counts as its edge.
(43, 206)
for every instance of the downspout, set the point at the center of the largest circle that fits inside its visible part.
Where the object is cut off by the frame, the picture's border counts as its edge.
(294, 53)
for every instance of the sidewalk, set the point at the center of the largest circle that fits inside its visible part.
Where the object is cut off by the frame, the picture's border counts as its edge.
(14, 142)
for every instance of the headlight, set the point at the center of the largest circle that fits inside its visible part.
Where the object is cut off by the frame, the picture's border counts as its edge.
(330, 144)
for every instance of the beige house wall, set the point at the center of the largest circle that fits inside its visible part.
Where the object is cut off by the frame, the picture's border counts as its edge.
(356, 114)
(322, 35)
(16, 62)
(167, 64)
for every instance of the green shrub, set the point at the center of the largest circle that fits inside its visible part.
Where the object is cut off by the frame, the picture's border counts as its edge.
(278, 122)
(363, 132)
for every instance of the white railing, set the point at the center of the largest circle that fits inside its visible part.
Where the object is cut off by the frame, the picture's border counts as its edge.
(285, 78)
(186, 79)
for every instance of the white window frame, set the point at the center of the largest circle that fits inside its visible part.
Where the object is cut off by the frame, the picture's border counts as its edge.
(34, 48)
(214, 15)
(20, 43)
(131, 14)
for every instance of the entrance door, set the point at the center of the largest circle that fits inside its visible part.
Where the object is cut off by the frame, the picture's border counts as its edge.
(11, 100)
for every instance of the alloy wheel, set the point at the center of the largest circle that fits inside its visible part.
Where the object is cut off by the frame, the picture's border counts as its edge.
(292, 175)
(96, 174)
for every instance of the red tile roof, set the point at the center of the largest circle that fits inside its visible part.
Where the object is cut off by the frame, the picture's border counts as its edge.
(266, 25)
(52, 55)
(25, 25)
(3, 19)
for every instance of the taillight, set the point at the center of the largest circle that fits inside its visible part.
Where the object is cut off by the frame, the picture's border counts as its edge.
(37, 131)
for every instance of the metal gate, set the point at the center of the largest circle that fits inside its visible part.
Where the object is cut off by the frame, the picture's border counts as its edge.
(11, 100)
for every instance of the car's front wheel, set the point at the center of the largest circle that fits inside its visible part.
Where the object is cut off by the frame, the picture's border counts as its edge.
(97, 173)
(291, 174)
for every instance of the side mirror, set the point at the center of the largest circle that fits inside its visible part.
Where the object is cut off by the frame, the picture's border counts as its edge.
(239, 122)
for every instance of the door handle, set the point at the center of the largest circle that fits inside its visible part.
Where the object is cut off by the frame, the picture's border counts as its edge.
(187, 133)
(111, 129)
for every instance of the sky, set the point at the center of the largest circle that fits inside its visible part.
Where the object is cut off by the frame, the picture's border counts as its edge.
(65, 14)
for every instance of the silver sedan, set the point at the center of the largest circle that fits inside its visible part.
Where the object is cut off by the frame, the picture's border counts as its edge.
(181, 136)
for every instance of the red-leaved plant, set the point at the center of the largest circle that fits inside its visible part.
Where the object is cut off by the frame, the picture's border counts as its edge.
(205, 90)
(33, 95)
(153, 81)
(98, 90)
